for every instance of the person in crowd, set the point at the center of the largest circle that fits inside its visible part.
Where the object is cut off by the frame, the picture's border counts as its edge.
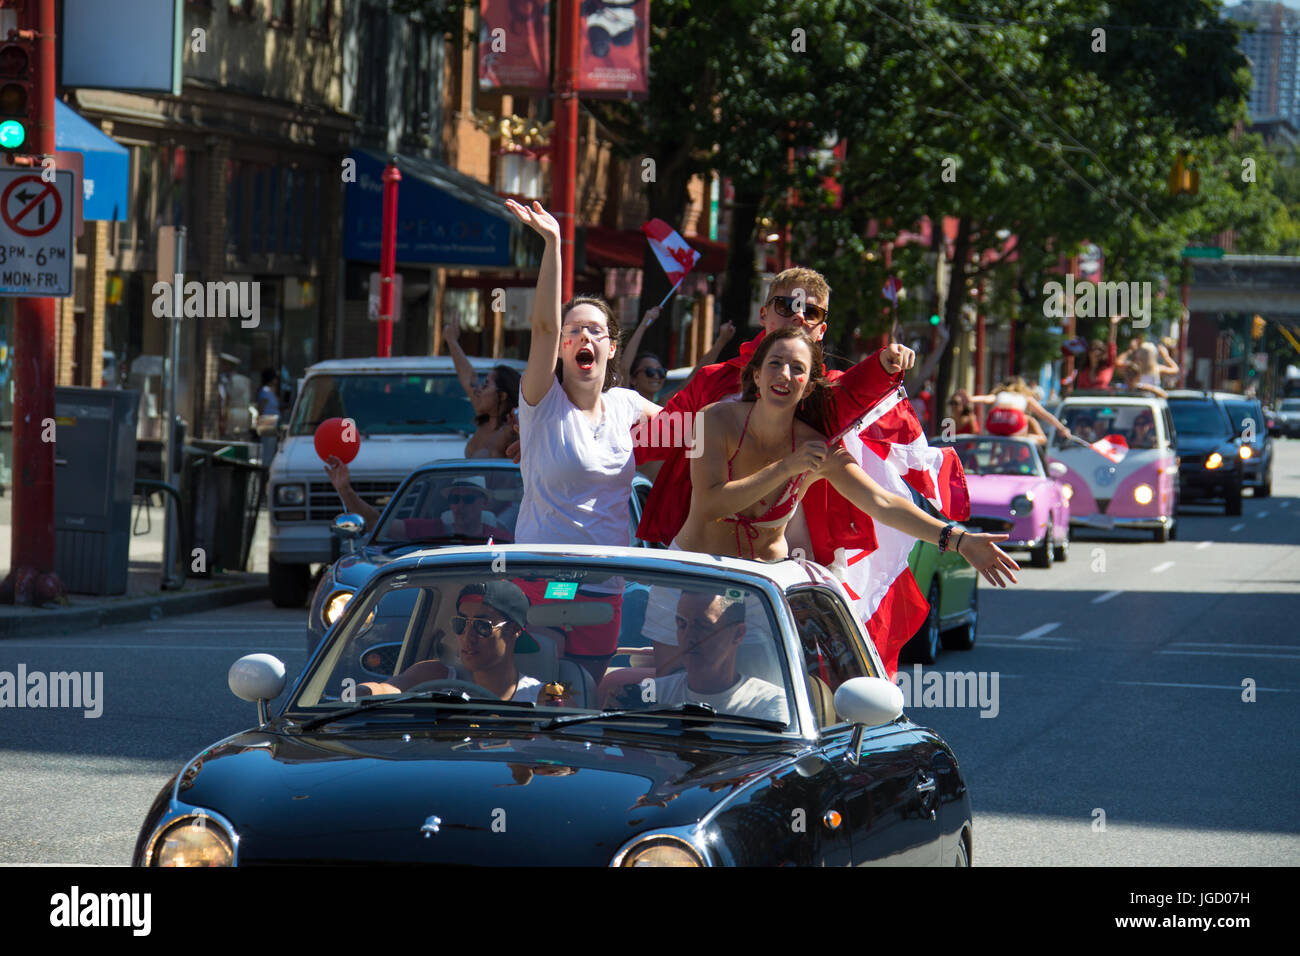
(759, 458)
(575, 428)
(493, 399)
(467, 514)
(1098, 366)
(962, 411)
(1150, 365)
(1144, 431)
(491, 623)
(268, 413)
(647, 375)
(1013, 402)
(1131, 380)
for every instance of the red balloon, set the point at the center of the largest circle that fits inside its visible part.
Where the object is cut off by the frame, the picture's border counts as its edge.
(337, 436)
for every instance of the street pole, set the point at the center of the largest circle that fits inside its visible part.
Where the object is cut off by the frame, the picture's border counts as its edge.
(32, 536)
(1186, 320)
(564, 170)
(388, 259)
(171, 530)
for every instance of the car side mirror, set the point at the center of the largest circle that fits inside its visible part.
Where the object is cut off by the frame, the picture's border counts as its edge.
(1057, 470)
(867, 702)
(257, 677)
(348, 527)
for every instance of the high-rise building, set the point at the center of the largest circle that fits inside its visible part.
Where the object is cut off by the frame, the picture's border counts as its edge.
(1274, 52)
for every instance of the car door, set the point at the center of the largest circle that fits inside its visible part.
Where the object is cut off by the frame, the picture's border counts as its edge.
(888, 798)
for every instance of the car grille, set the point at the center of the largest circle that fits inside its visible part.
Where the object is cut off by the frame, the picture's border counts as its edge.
(324, 504)
(989, 525)
(1102, 505)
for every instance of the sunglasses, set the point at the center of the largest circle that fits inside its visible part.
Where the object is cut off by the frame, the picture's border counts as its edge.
(785, 308)
(481, 627)
(652, 372)
(467, 499)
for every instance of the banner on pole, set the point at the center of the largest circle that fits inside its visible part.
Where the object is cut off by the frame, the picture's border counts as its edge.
(514, 45)
(614, 48)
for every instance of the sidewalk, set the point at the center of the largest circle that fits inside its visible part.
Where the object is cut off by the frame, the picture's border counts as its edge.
(144, 599)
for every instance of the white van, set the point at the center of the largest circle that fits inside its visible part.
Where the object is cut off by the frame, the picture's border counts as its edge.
(408, 411)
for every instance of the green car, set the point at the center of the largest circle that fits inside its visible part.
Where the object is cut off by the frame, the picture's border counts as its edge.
(951, 586)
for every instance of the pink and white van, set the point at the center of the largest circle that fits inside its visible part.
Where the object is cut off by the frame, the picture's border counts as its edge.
(1121, 468)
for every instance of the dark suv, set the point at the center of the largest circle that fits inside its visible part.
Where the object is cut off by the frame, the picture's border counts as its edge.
(1209, 449)
(1248, 419)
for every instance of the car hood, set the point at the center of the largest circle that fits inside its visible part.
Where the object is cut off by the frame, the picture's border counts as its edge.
(996, 491)
(502, 797)
(378, 456)
(1201, 444)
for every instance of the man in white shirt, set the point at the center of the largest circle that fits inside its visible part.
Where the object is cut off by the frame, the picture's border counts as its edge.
(710, 629)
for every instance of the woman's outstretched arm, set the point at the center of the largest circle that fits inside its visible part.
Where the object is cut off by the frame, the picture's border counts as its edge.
(544, 345)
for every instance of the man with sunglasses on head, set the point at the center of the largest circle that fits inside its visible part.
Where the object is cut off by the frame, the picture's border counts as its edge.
(796, 296)
(490, 624)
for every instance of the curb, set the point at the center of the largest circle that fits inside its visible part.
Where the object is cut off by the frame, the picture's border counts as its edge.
(62, 622)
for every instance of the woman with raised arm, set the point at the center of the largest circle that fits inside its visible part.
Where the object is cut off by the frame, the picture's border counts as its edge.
(1013, 401)
(759, 459)
(575, 432)
(493, 399)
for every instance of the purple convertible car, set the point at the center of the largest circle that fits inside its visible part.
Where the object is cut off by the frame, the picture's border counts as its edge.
(1012, 491)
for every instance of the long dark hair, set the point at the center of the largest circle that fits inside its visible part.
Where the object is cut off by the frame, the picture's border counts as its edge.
(812, 408)
(507, 385)
(613, 376)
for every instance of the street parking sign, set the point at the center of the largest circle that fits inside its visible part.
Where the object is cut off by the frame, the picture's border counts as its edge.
(36, 223)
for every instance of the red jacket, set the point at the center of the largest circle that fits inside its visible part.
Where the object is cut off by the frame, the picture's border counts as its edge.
(852, 393)
(1083, 377)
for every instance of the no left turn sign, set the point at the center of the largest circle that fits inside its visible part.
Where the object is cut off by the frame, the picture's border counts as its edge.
(30, 206)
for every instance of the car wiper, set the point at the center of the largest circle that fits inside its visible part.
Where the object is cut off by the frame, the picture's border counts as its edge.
(383, 700)
(440, 539)
(687, 711)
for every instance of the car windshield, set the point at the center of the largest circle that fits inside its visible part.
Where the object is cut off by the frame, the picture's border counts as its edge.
(1198, 418)
(994, 456)
(1242, 412)
(416, 403)
(495, 630)
(1289, 405)
(1091, 423)
(473, 503)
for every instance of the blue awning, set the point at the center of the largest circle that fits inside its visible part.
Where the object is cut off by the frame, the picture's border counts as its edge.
(106, 163)
(444, 217)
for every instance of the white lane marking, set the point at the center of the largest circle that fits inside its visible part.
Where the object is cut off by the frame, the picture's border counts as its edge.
(1103, 598)
(1027, 647)
(1039, 631)
(1203, 545)
(1236, 527)
(1279, 657)
(1163, 566)
(1262, 514)
(155, 647)
(1261, 647)
(1236, 687)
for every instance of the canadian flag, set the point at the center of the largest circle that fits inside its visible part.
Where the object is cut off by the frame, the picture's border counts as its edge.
(889, 443)
(673, 253)
(1114, 447)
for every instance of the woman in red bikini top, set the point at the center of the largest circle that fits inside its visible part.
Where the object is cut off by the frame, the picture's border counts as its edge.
(758, 460)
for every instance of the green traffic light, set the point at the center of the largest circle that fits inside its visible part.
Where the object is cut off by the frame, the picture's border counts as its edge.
(934, 320)
(12, 134)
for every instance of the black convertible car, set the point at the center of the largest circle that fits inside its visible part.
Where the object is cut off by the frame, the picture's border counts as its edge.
(743, 720)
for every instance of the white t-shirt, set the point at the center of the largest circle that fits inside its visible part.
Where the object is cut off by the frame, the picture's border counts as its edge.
(526, 688)
(1011, 400)
(748, 697)
(577, 475)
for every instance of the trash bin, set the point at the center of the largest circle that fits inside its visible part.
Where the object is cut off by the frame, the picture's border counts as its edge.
(222, 487)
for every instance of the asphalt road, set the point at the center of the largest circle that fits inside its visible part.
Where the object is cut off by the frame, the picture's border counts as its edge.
(1120, 686)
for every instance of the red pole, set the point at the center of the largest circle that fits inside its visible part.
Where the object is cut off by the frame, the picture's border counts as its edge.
(1181, 358)
(388, 260)
(565, 157)
(32, 541)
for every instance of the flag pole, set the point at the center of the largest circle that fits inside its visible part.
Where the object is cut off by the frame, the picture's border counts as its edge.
(671, 291)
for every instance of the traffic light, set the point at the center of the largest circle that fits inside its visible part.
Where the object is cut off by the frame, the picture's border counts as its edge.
(934, 319)
(1183, 179)
(1257, 325)
(16, 94)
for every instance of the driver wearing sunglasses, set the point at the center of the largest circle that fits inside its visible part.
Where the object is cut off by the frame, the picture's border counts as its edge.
(466, 516)
(489, 624)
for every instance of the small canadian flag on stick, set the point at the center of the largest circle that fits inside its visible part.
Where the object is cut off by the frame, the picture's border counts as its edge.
(671, 250)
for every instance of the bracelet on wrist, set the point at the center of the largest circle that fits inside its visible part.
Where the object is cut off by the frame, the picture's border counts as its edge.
(959, 538)
(945, 534)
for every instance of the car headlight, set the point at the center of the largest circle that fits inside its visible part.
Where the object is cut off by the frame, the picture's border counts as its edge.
(1022, 504)
(1214, 461)
(193, 841)
(1068, 491)
(1244, 451)
(334, 606)
(289, 495)
(1142, 494)
(661, 850)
